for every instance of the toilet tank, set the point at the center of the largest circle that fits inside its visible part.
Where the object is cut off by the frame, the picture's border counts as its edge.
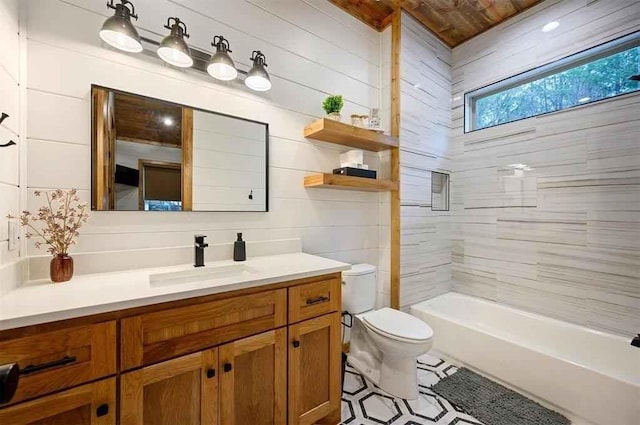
(359, 288)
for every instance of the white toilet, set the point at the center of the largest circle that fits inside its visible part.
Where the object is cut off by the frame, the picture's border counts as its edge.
(384, 343)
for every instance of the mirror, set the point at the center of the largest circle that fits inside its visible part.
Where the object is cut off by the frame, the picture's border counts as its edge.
(152, 155)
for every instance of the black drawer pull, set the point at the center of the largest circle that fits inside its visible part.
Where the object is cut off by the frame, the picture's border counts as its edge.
(227, 367)
(102, 410)
(317, 300)
(211, 373)
(296, 344)
(9, 377)
(37, 368)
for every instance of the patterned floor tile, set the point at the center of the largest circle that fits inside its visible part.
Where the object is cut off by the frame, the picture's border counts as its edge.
(363, 403)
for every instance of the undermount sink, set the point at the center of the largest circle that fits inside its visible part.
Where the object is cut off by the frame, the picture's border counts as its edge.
(201, 274)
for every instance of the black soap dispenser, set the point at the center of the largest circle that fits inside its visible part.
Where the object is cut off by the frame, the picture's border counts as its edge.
(239, 249)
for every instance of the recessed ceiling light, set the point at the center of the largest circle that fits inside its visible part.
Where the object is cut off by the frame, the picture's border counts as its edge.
(168, 121)
(584, 99)
(551, 26)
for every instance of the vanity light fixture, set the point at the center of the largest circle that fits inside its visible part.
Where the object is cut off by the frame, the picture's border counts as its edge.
(221, 65)
(118, 31)
(173, 49)
(258, 77)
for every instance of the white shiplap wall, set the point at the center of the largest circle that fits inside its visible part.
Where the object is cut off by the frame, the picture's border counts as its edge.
(9, 130)
(425, 146)
(562, 239)
(313, 49)
(229, 163)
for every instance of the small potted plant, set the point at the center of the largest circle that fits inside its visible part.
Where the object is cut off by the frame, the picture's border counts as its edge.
(60, 220)
(332, 105)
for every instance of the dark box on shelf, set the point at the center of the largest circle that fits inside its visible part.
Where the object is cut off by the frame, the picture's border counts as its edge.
(355, 172)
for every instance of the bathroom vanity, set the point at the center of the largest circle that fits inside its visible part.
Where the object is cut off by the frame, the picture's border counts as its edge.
(241, 347)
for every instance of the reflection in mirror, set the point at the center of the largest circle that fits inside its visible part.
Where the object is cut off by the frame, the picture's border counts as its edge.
(152, 155)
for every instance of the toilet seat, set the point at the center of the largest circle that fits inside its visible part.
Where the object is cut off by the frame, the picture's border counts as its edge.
(397, 325)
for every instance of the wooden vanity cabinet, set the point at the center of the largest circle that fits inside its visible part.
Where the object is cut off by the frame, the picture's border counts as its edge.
(53, 361)
(159, 335)
(179, 391)
(90, 404)
(253, 380)
(259, 356)
(315, 371)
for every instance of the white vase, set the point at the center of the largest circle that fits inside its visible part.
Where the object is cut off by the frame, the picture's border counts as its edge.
(335, 116)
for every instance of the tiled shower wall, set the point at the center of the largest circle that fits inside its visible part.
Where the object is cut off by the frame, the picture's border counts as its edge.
(564, 238)
(425, 146)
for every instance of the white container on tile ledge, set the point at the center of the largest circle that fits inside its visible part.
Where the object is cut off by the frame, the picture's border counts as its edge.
(384, 343)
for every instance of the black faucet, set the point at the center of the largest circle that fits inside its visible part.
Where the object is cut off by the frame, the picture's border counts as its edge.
(636, 341)
(199, 250)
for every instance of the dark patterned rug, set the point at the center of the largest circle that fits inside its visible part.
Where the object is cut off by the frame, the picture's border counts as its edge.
(492, 403)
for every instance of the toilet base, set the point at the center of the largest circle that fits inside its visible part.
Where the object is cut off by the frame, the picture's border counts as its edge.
(398, 377)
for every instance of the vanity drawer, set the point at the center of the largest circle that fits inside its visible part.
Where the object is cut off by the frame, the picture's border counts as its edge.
(61, 359)
(153, 337)
(314, 299)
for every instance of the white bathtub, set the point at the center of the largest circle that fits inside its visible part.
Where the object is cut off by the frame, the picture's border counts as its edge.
(592, 377)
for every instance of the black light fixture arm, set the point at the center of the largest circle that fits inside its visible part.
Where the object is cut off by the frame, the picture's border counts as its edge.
(123, 9)
(178, 27)
(258, 58)
(221, 44)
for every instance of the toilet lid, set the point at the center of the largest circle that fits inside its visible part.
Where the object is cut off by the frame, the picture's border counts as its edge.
(398, 324)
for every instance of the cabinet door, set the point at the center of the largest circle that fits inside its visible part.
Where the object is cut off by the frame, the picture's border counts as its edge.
(92, 404)
(253, 380)
(315, 370)
(178, 391)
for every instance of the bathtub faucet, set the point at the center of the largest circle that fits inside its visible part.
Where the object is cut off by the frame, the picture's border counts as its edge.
(636, 341)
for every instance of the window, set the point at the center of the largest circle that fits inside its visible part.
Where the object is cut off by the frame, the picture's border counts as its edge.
(154, 205)
(609, 70)
(439, 191)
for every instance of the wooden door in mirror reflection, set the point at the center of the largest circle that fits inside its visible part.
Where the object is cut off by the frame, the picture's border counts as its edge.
(130, 130)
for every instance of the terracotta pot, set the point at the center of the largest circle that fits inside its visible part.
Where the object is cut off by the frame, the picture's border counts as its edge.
(61, 268)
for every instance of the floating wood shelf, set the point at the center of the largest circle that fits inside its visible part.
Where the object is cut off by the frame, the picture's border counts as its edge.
(327, 130)
(337, 181)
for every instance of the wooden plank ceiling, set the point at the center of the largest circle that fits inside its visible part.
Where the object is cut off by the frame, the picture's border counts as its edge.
(142, 120)
(453, 21)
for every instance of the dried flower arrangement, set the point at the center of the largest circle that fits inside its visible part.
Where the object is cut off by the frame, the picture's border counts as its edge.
(61, 218)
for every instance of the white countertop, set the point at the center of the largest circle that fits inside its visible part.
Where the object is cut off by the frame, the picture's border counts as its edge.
(42, 301)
